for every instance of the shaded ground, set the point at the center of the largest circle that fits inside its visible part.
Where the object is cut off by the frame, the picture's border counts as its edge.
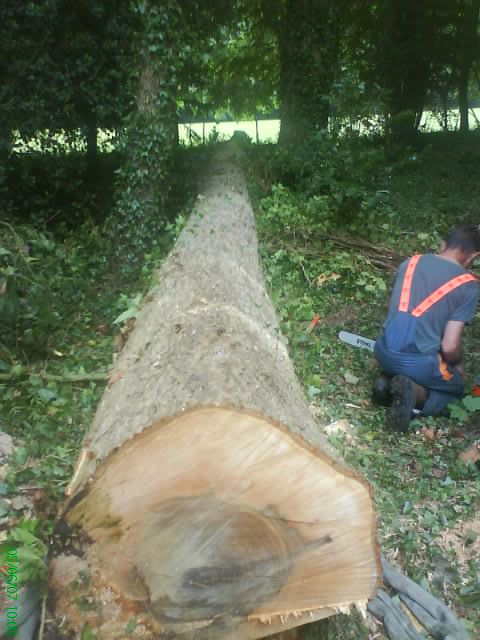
(427, 499)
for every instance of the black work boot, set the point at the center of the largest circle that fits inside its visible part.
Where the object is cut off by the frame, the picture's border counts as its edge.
(406, 395)
(381, 393)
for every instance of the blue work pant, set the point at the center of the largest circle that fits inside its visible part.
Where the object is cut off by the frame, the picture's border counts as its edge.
(443, 383)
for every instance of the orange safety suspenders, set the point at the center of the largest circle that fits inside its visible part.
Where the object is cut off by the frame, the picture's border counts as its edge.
(407, 284)
(435, 296)
(429, 301)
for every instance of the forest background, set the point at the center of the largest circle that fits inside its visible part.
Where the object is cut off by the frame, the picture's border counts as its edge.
(352, 185)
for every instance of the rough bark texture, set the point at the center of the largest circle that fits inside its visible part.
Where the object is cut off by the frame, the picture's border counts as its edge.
(208, 335)
(206, 501)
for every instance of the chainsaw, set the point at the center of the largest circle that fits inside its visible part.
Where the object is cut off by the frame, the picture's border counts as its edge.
(357, 341)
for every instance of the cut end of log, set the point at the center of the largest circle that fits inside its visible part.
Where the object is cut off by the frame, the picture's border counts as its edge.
(219, 518)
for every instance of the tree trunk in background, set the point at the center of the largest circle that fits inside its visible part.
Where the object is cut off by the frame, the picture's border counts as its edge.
(308, 40)
(91, 136)
(405, 29)
(152, 132)
(175, 136)
(6, 141)
(463, 97)
(206, 502)
(468, 52)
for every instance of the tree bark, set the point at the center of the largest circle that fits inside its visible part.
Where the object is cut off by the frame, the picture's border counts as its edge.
(405, 35)
(468, 47)
(6, 143)
(206, 502)
(463, 97)
(91, 136)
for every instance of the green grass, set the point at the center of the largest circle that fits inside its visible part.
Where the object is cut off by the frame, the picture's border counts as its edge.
(402, 201)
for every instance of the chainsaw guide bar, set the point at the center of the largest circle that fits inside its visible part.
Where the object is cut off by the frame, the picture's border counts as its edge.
(357, 341)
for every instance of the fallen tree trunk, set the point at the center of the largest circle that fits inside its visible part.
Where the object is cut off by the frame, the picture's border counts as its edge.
(205, 501)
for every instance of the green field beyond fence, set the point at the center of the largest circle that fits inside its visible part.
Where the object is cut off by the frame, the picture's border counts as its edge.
(259, 131)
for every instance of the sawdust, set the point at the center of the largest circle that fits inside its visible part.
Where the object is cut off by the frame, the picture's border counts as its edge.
(463, 540)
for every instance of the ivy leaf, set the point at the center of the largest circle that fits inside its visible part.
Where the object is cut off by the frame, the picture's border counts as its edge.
(312, 391)
(457, 412)
(4, 508)
(131, 312)
(29, 554)
(22, 535)
(46, 394)
(471, 403)
(20, 455)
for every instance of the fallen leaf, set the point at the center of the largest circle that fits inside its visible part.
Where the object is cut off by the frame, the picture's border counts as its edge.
(313, 323)
(428, 433)
(472, 454)
(324, 278)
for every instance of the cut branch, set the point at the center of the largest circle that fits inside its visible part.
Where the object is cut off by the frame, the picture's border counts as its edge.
(24, 372)
(380, 257)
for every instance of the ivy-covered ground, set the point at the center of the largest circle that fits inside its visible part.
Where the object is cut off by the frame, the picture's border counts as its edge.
(334, 217)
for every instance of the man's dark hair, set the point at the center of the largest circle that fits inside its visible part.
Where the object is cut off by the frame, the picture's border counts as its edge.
(466, 238)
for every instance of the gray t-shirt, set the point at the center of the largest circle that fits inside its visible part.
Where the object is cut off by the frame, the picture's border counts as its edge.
(431, 272)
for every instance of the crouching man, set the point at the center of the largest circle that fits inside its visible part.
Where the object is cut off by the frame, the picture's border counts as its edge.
(420, 349)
